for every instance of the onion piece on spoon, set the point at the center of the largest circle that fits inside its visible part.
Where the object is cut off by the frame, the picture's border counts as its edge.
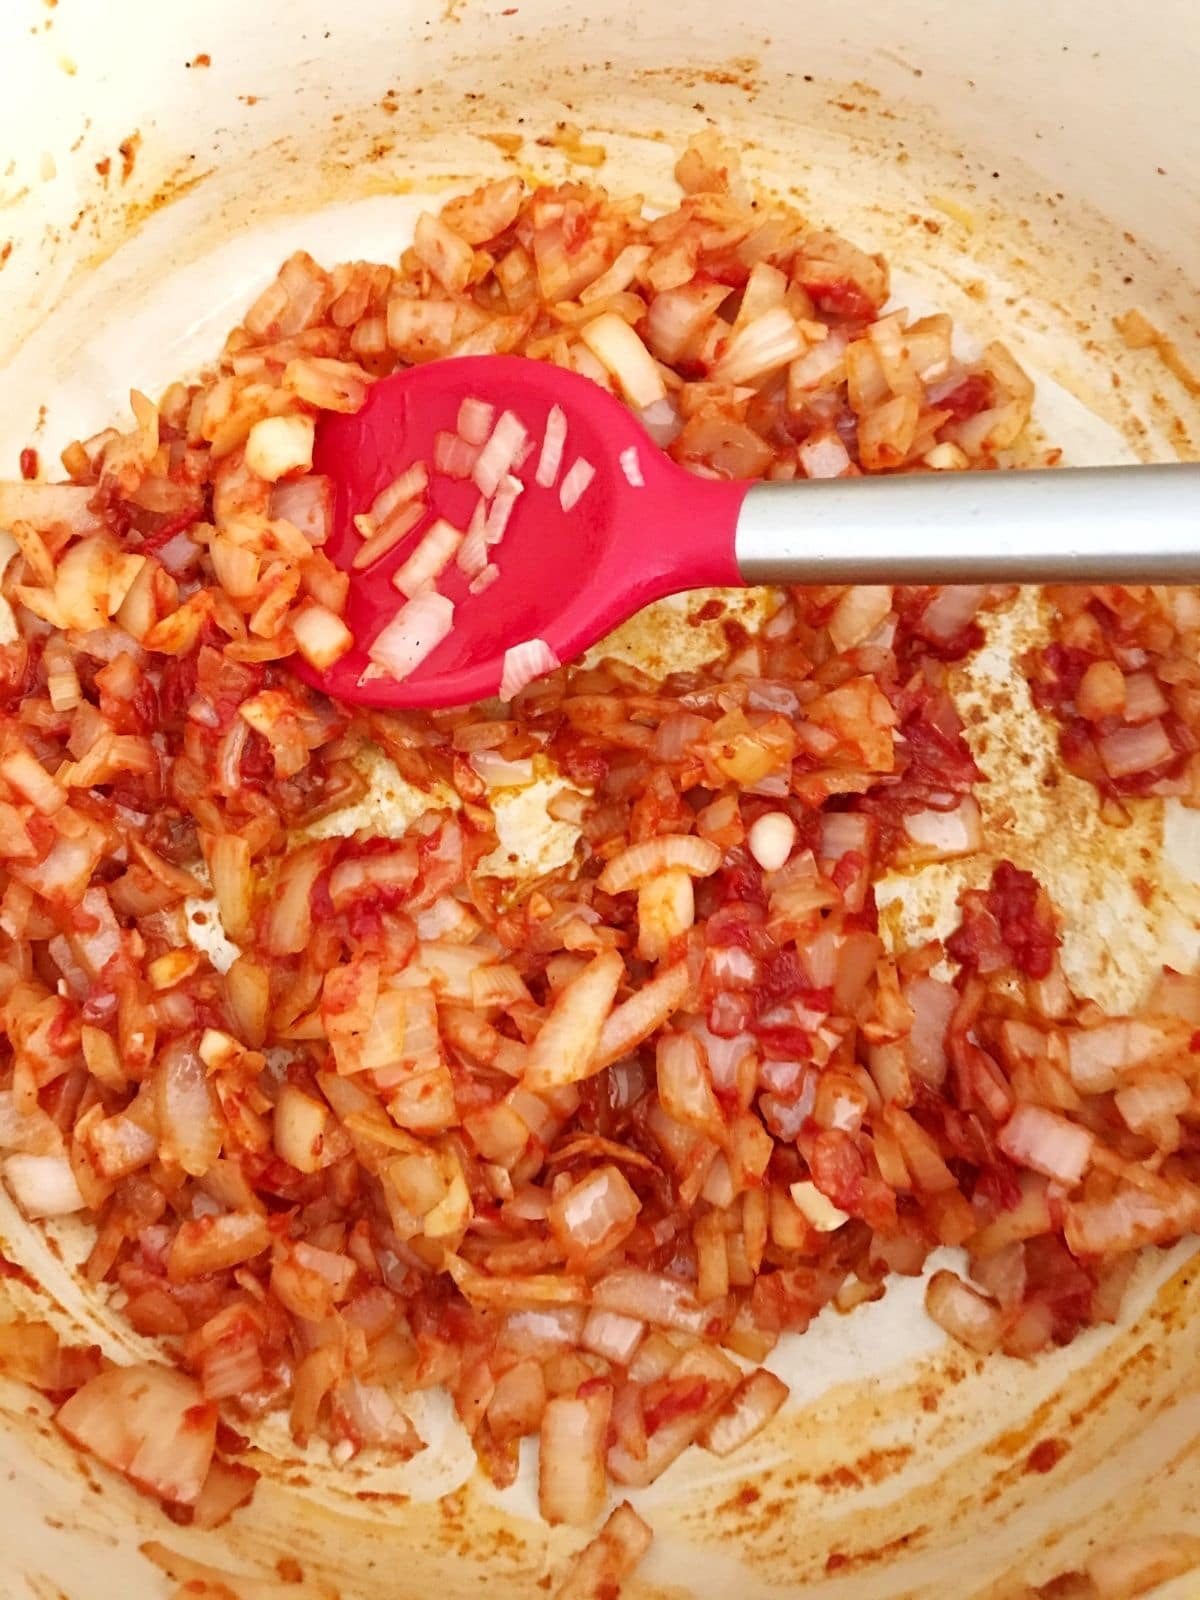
(413, 633)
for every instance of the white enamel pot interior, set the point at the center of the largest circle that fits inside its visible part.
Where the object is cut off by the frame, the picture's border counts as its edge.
(1030, 168)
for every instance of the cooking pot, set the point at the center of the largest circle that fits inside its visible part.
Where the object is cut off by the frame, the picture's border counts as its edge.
(1029, 168)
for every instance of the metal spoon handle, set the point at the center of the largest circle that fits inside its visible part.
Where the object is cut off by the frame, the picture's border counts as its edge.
(1132, 524)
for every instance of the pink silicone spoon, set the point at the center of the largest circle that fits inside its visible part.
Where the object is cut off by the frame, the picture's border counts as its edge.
(644, 527)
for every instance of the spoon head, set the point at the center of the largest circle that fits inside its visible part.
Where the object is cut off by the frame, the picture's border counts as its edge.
(565, 576)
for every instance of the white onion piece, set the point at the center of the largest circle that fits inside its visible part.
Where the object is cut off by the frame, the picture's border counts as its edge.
(231, 1366)
(1047, 1143)
(950, 611)
(43, 1186)
(685, 1089)
(1144, 698)
(434, 553)
(485, 579)
(858, 613)
(823, 456)
(149, 1422)
(501, 509)
(307, 503)
(1126, 1220)
(571, 1481)
(637, 1018)
(453, 456)
(640, 862)
(594, 1215)
(412, 481)
(661, 420)
(1150, 1104)
(1097, 1056)
(321, 637)
(413, 633)
(819, 1211)
(601, 1566)
(963, 1313)
(447, 256)
(631, 466)
(773, 786)
(608, 1334)
(189, 1131)
(677, 732)
(475, 419)
(652, 1297)
(397, 527)
(524, 662)
(1132, 750)
(298, 1129)
(579, 476)
(277, 447)
(553, 443)
(751, 1406)
(763, 346)
(615, 344)
(543, 1328)
(933, 1004)
(731, 967)
(498, 771)
(819, 363)
(946, 834)
(498, 454)
(564, 1049)
(472, 552)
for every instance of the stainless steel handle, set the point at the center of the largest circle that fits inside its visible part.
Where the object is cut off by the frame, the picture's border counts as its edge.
(1137, 524)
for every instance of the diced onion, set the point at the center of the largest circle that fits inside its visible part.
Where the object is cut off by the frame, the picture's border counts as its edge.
(601, 1567)
(568, 1150)
(475, 418)
(859, 612)
(613, 342)
(498, 454)
(150, 1423)
(278, 447)
(523, 663)
(641, 862)
(595, 1215)
(608, 1334)
(434, 553)
(578, 476)
(413, 633)
(946, 834)
(963, 1313)
(321, 637)
(571, 1478)
(631, 466)
(1047, 1143)
(484, 579)
(43, 1186)
(501, 510)
(823, 456)
(751, 1406)
(818, 1209)
(763, 346)
(497, 771)
(564, 1048)
(454, 456)
(553, 443)
(1131, 750)
(951, 610)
